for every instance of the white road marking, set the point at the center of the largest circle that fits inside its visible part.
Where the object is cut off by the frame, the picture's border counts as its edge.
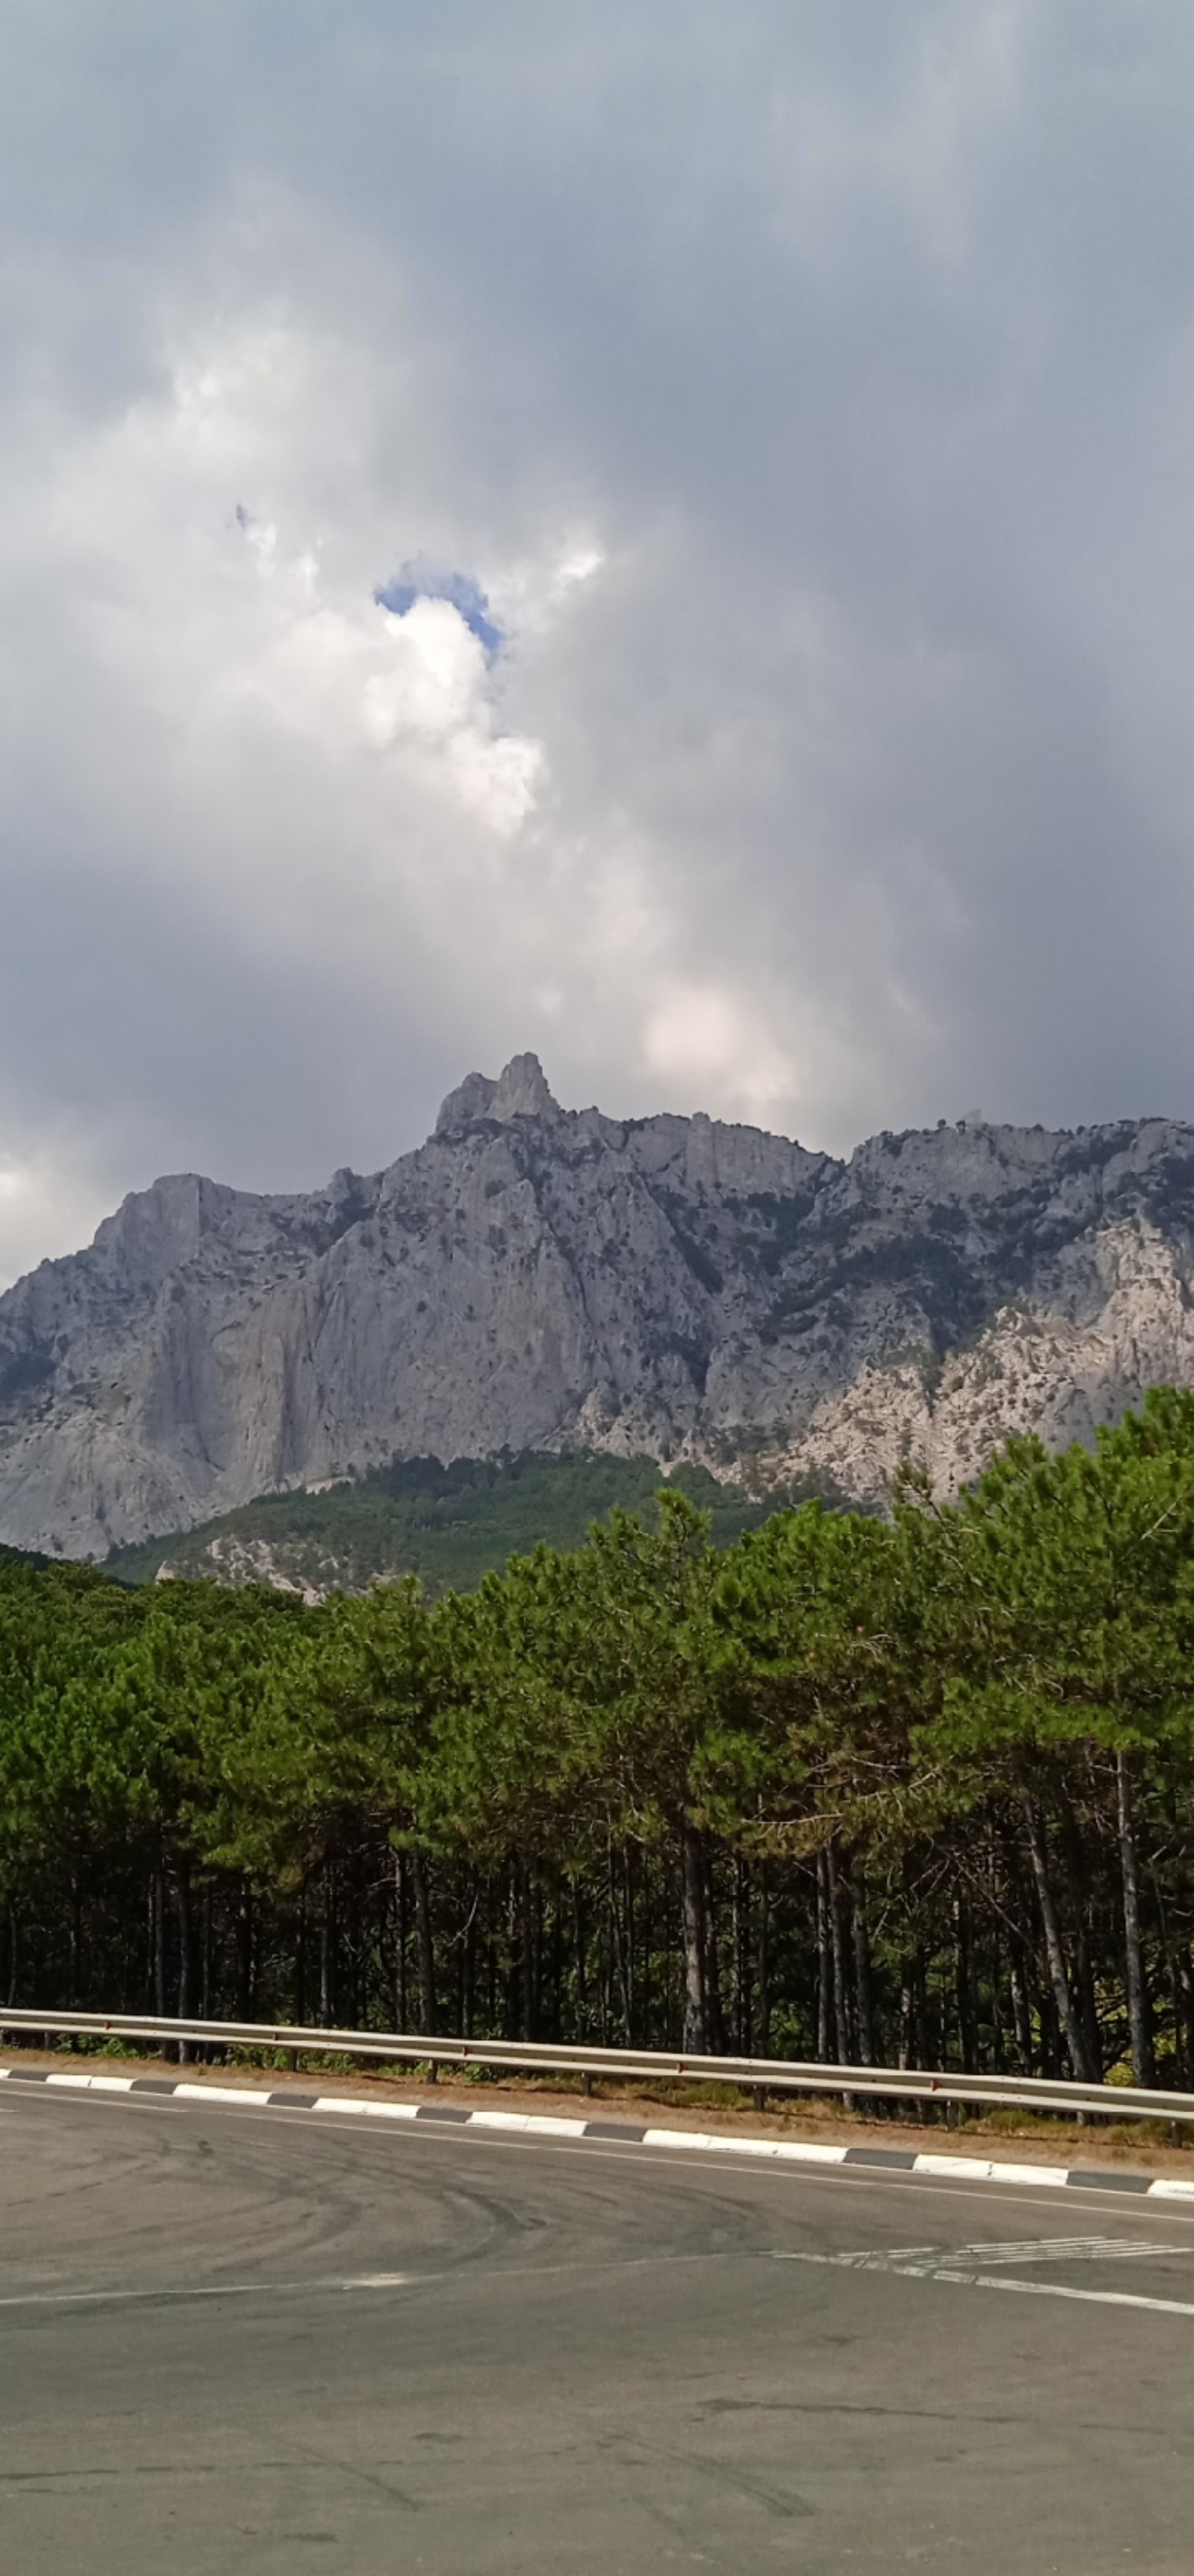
(532, 2123)
(1068, 2249)
(94, 2083)
(350, 2102)
(772, 2147)
(964, 2266)
(980, 2169)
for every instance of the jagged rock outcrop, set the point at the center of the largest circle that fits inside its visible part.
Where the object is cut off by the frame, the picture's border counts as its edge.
(540, 1278)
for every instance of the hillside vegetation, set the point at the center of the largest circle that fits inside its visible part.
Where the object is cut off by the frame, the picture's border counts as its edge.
(847, 1788)
(449, 1525)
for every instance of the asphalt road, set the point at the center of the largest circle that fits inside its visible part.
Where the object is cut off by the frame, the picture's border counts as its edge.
(258, 2341)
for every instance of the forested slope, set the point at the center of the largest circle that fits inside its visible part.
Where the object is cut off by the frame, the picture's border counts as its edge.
(849, 1787)
(449, 1525)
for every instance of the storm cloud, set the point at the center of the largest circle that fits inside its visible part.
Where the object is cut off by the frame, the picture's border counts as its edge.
(664, 536)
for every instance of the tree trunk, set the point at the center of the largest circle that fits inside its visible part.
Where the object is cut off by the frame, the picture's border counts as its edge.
(1021, 1975)
(579, 1942)
(1181, 2061)
(1084, 1987)
(764, 1988)
(741, 1969)
(906, 2045)
(183, 1908)
(824, 1963)
(1067, 2013)
(526, 1924)
(325, 1953)
(714, 2025)
(300, 1960)
(537, 1959)
(695, 2038)
(1144, 2069)
(76, 1938)
(864, 2020)
(645, 1983)
(1184, 2010)
(157, 1910)
(1021, 2015)
(428, 2006)
(401, 1929)
(1082, 1980)
(356, 1950)
(629, 1979)
(245, 1947)
(468, 1981)
(841, 1995)
(964, 1987)
(620, 1940)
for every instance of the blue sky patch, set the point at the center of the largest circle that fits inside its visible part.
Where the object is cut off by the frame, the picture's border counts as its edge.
(419, 581)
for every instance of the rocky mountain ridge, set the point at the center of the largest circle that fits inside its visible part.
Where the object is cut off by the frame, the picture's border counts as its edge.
(536, 1278)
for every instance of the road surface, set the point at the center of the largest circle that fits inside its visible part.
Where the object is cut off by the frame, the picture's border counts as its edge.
(249, 2340)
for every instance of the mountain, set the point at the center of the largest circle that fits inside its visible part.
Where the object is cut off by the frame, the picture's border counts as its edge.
(539, 1279)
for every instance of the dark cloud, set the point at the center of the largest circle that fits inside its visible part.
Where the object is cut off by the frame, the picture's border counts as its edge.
(804, 400)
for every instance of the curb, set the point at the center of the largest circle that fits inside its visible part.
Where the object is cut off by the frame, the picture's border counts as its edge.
(627, 2133)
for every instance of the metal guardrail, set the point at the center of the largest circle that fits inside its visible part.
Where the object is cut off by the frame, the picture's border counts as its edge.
(757, 2075)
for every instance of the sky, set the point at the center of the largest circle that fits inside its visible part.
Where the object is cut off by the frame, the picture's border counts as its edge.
(661, 534)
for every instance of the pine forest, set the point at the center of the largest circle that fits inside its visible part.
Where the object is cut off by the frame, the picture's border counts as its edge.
(912, 1791)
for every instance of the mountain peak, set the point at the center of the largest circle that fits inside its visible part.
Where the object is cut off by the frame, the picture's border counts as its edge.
(521, 1091)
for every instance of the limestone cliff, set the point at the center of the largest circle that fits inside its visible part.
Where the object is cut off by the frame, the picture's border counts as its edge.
(535, 1278)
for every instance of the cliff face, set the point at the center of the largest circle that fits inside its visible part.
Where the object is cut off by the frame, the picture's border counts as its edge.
(533, 1278)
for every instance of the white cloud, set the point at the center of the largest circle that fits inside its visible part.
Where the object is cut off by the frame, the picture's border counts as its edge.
(434, 692)
(49, 1204)
(702, 1039)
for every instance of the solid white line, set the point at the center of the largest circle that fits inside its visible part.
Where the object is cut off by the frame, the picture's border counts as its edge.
(942, 2270)
(1052, 2290)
